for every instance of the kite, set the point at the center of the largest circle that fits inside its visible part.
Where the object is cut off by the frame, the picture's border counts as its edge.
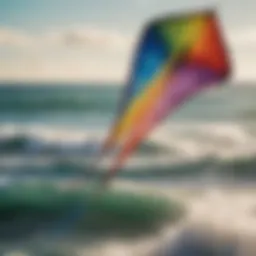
(177, 57)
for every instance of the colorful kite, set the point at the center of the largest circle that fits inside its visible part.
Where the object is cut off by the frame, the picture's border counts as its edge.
(178, 57)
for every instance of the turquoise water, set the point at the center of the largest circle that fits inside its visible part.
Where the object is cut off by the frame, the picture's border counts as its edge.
(49, 132)
(76, 104)
(41, 125)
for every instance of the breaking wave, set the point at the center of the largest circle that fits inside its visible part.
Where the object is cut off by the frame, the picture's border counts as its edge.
(173, 151)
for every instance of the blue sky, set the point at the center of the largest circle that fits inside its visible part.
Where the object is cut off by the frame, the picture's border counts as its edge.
(79, 40)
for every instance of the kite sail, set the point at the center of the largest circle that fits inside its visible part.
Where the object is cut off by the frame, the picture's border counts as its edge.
(178, 56)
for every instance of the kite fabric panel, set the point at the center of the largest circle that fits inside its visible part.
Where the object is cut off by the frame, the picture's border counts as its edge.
(177, 57)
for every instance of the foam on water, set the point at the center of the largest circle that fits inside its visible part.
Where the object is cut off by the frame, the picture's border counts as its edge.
(184, 141)
(47, 130)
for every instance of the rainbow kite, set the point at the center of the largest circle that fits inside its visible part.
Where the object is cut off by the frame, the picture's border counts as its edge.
(177, 57)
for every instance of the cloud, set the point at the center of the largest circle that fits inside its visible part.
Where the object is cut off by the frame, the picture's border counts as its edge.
(15, 38)
(75, 53)
(242, 45)
(244, 37)
(77, 37)
(105, 53)
(94, 37)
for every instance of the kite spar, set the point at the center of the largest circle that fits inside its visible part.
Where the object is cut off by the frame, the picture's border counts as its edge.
(178, 56)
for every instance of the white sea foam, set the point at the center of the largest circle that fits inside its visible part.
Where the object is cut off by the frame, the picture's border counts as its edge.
(178, 143)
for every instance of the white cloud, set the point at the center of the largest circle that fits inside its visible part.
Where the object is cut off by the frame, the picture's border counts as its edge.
(76, 53)
(87, 36)
(67, 70)
(94, 37)
(242, 44)
(243, 37)
(15, 38)
(99, 54)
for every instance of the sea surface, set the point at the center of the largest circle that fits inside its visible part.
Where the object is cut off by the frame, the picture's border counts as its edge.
(43, 125)
(51, 133)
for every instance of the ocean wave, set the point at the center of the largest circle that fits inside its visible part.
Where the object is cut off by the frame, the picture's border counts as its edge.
(175, 140)
(174, 150)
(39, 141)
(200, 170)
(52, 211)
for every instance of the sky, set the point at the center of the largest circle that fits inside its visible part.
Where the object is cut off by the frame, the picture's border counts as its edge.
(88, 40)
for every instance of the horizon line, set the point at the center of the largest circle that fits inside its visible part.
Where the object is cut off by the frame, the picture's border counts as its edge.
(56, 82)
(93, 82)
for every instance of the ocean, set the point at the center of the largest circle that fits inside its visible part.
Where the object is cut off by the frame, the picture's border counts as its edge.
(49, 133)
(40, 125)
